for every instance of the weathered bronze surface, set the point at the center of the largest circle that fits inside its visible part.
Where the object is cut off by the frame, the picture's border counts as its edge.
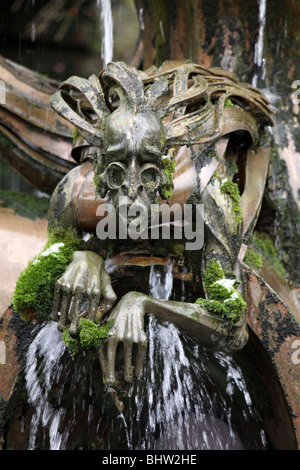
(127, 123)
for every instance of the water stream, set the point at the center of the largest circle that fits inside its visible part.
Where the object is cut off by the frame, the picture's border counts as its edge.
(259, 46)
(107, 34)
(186, 397)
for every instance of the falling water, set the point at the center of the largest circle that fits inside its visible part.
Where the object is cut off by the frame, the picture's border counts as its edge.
(161, 281)
(107, 28)
(42, 369)
(179, 406)
(186, 397)
(259, 46)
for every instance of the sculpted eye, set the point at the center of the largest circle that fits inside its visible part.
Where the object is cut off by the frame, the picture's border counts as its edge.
(150, 175)
(115, 175)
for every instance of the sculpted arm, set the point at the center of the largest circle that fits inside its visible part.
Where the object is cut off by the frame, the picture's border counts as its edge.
(191, 319)
(85, 288)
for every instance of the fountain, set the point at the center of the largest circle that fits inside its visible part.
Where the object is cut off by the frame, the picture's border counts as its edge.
(194, 399)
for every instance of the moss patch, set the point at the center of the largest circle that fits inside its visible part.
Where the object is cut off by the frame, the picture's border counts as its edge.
(75, 134)
(91, 335)
(232, 190)
(253, 259)
(168, 166)
(25, 205)
(224, 299)
(213, 273)
(34, 292)
(265, 246)
(228, 103)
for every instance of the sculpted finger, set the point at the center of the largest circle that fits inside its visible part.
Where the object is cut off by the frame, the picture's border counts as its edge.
(103, 362)
(112, 344)
(65, 304)
(106, 288)
(56, 302)
(128, 368)
(142, 348)
(94, 300)
(75, 314)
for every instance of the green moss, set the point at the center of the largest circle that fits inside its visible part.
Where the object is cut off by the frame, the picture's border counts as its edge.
(224, 299)
(265, 246)
(91, 335)
(213, 273)
(253, 259)
(75, 134)
(71, 343)
(232, 190)
(25, 205)
(231, 309)
(34, 291)
(168, 167)
(228, 103)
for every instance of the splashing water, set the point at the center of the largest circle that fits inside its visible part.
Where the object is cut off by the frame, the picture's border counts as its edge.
(107, 27)
(40, 377)
(186, 398)
(177, 403)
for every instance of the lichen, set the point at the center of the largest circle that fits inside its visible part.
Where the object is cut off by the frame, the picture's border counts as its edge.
(34, 291)
(224, 299)
(91, 335)
(232, 190)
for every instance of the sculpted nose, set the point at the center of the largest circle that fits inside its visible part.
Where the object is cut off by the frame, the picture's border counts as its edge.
(132, 184)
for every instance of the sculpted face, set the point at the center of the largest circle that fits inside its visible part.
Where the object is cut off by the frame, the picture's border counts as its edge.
(133, 145)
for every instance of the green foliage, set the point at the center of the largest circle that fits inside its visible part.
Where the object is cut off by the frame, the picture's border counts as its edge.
(25, 205)
(213, 273)
(224, 299)
(253, 259)
(75, 134)
(230, 310)
(228, 103)
(70, 342)
(91, 335)
(34, 291)
(231, 189)
(265, 246)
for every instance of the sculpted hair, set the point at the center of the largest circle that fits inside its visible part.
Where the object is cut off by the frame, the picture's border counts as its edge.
(191, 101)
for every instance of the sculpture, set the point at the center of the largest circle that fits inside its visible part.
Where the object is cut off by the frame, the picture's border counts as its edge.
(182, 134)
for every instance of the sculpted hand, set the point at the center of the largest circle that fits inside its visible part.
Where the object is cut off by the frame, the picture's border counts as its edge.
(128, 329)
(84, 282)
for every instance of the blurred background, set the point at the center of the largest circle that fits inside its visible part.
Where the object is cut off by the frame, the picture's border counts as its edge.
(60, 38)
